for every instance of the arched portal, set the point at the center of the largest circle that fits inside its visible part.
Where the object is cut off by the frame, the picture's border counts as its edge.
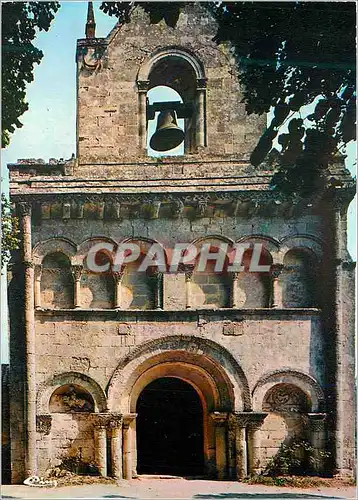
(170, 438)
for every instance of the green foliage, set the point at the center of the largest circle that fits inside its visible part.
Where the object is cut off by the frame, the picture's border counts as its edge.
(20, 23)
(289, 54)
(9, 231)
(299, 457)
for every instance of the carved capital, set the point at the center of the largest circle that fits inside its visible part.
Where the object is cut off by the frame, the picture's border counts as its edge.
(43, 424)
(201, 83)
(188, 270)
(115, 421)
(317, 421)
(38, 272)
(234, 275)
(276, 270)
(117, 276)
(77, 270)
(100, 420)
(28, 264)
(24, 209)
(220, 418)
(143, 85)
(256, 419)
(128, 419)
(240, 419)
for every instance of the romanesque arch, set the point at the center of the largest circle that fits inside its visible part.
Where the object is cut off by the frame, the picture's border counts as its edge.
(218, 370)
(292, 377)
(48, 387)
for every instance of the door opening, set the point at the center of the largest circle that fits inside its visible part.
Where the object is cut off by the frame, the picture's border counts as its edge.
(170, 429)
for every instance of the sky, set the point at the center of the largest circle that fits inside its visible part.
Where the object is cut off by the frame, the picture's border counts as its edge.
(49, 127)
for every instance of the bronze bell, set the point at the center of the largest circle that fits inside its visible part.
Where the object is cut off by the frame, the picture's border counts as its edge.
(168, 135)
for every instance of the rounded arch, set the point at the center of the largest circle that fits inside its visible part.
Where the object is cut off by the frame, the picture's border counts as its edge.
(271, 245)
(48, 387)
(171, 51)
(216, 372)
(54, 245)
(86, 245)
(293, 377)
(310, 243)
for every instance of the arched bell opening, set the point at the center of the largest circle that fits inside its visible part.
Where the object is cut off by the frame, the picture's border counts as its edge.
(165, 128)
(180, 71)
(170, 428)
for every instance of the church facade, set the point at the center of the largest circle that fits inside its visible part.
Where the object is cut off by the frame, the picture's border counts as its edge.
(188, 372)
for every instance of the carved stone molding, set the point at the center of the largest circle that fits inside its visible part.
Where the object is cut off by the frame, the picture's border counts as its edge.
(240, 419)
(43, 424)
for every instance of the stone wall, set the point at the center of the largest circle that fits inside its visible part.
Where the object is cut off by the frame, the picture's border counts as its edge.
(108, 98)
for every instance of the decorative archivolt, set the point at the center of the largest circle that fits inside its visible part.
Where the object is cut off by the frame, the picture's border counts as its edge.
(62, 245)
(276, 250)
(312, 244)
(48, 387)
(172, 51)
(296, 378)
(219, 365)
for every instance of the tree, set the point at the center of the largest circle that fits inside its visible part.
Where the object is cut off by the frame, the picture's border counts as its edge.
(9, 231)
(289, 54)
(20, 23)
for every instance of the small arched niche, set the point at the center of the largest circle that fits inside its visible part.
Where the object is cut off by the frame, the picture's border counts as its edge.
(254, 286)
(298, 278)
(97, 288)
(211, 288)
(71, 399)
(287, 406)
(180, 71)
(56, 282)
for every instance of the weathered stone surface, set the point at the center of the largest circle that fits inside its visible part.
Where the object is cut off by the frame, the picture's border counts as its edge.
(245, 342)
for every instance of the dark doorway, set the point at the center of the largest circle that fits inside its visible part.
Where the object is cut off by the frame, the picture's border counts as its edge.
(170, 429)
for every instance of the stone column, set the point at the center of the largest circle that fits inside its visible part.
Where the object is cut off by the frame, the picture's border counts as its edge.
(29, 338)
(235, 290)
(142, 94)
(100, 422)
(38, 272)
(200, 124)
(341, 318)
(318, 438)
(77, 273)
(158, 290)
(276, 270)
(221, 424)
(115, 425)
(117, 277)
(254, 442)
(43, 427)
(240, 422)
(189, 269)
(127, 445)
